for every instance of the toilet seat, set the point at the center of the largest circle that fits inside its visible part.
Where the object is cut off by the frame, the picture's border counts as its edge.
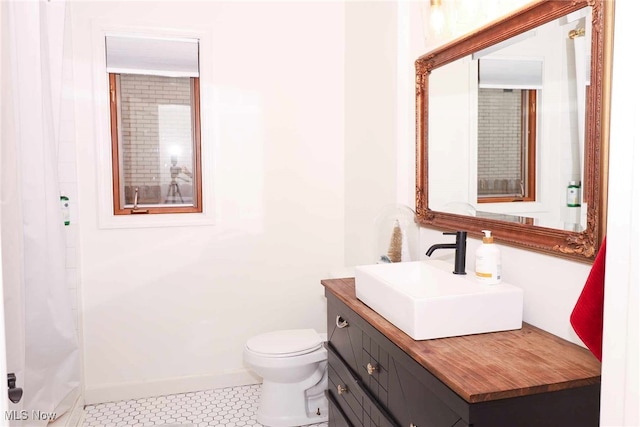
(288, 343)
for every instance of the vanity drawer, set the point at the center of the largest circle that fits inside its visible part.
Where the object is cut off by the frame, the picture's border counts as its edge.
(344, 391)
(358, 406)
(337, 418)
(374, 369)
(344, 331)
(411, 402)
(403, 388)
(363, 355)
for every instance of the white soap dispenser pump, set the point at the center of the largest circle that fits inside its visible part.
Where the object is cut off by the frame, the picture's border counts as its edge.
(488, 261)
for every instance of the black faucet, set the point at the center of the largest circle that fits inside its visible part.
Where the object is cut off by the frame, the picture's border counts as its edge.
(461, 250)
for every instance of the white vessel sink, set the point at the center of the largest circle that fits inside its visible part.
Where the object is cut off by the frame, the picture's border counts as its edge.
(426, 300)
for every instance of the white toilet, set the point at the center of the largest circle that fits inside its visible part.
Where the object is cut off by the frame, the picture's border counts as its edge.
(293, 367)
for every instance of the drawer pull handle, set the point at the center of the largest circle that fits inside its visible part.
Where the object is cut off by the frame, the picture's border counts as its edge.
(371, 368)
(342, 389)
(341, 323)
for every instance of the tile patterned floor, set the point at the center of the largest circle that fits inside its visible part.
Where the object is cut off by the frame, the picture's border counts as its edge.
(229, 407)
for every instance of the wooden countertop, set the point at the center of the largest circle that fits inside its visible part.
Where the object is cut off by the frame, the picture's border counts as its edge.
(488, 366)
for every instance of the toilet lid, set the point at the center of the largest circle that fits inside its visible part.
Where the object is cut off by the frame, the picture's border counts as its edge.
(289, 342)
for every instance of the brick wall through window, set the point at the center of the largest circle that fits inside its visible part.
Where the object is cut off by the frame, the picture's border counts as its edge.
(155, 129)
(499, 141)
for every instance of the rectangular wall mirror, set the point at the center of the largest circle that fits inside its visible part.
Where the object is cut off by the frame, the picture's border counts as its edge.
(512, 129)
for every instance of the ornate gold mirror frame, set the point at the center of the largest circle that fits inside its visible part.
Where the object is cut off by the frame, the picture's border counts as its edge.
(581, 246)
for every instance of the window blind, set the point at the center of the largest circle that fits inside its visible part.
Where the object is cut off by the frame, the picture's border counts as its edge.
(510, 74)
(172, 57)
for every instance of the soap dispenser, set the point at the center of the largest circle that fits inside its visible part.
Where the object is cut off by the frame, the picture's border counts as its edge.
(488, 262)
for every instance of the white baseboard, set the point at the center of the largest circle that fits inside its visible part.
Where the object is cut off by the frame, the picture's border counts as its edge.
(140, 390)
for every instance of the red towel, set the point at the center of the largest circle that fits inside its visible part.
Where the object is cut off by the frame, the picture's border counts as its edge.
(586, 317)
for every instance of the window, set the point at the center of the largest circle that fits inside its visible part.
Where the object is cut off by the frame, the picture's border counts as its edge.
(508, 92)
(154, 95)
(506, 145)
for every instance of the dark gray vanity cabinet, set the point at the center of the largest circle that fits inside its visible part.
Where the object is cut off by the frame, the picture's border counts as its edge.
(378, 376)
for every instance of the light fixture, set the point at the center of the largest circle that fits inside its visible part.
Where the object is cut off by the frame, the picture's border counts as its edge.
(436, 16)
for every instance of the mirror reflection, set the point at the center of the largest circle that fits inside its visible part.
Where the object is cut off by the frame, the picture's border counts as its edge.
(541, 181)
(506, 128)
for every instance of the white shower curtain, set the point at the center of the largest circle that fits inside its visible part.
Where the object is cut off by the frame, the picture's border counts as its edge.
(42, 345)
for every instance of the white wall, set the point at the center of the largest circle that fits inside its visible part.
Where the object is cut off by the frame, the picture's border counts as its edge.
(371, 140)
(451, 158)
(153, 313)
(168, 309)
